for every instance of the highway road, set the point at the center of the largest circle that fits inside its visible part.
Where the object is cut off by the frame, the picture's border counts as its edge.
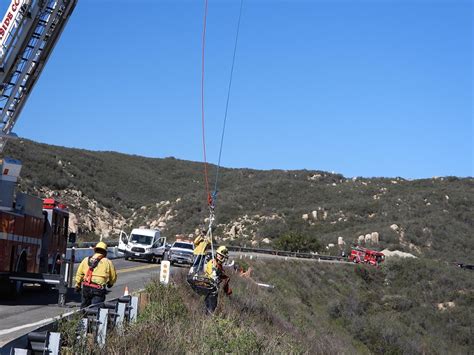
(36, 306)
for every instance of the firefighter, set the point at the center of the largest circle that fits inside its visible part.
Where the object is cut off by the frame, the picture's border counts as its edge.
(200, 245)
(94, 274)
(214, 270)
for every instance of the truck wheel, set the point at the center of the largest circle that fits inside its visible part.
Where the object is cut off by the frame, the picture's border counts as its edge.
(16, 287)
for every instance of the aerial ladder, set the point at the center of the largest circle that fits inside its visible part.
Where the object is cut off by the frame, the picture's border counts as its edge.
(28, 33)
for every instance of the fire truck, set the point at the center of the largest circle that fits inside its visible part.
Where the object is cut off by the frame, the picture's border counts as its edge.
(363, 255)
(33, 240)
(33, 232)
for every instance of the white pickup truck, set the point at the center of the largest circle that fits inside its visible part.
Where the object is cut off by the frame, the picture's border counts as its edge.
(181, 252)
(144, 244)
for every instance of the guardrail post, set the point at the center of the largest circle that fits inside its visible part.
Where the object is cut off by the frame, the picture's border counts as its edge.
(62, 286)
(83, 326)
(134, 309)
(82, 329)
(102, 329)
(54, 343)
(120, 315)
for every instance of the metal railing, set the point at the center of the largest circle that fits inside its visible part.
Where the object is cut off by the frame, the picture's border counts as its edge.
(286, 253)
(244, 249)
(96, 321)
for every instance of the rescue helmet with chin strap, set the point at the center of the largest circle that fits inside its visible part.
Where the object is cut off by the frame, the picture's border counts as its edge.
(222, 253)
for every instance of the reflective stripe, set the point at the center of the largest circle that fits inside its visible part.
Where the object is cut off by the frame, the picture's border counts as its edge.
(48, 281)
(19, 238)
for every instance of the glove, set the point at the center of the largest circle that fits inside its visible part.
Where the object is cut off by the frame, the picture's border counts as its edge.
(78, 288)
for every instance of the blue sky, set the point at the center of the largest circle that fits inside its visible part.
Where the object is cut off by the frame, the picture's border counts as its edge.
(362, 88)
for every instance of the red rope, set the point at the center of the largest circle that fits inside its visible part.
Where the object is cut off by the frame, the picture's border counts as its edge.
(206, 178)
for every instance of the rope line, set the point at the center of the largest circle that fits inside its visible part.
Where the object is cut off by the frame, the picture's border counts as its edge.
(206, 178)
(214, 194)
(206, 175)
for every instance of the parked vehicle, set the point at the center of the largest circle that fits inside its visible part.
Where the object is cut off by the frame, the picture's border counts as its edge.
(367, 256)
(181, 252)
(33, 235)
(143, 244)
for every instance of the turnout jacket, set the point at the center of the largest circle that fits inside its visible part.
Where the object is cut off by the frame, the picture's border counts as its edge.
(221, 275)
(200, 245)
(103, 274)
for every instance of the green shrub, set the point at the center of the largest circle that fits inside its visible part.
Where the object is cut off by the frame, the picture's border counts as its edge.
(297, 242)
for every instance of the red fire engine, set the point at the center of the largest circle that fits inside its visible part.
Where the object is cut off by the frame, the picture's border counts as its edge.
(367, 256)
(33, 235)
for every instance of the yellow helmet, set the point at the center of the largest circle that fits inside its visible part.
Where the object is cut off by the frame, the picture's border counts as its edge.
(222, 253)
(100, 246)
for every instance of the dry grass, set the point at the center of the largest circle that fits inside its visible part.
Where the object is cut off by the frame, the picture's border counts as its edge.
(314, 309)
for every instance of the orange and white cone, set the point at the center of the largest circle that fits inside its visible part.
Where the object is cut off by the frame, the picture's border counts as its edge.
(125, 293)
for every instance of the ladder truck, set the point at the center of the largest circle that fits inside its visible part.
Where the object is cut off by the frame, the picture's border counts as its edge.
(33, 233)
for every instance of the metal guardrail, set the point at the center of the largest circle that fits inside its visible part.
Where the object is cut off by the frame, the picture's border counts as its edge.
(243, 250)
(284, 253)
(91, 244)
(96, 320)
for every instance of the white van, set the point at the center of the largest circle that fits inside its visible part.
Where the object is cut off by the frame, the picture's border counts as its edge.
(144, 244)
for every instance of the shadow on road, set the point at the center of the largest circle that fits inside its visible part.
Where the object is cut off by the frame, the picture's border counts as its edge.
(37, 295)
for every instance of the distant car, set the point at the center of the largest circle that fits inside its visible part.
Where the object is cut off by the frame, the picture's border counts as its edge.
(181, 252)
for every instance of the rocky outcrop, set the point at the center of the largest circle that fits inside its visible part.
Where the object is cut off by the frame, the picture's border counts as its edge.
(87, 216)
(320, 214)
(369, 238)
(391, 253)
(246, 227)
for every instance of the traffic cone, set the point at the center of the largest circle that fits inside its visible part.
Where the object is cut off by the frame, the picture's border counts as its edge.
(125, 293)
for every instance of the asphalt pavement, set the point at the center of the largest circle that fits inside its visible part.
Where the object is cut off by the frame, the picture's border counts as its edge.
(37, 306)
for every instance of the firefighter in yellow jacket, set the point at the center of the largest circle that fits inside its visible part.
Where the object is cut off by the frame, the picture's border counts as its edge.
(214, 270)
(94, 274)
(200, 245)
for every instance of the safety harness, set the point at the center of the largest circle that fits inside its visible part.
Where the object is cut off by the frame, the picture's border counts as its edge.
(92, 262)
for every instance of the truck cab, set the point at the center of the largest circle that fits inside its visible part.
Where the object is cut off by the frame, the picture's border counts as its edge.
(142, 244)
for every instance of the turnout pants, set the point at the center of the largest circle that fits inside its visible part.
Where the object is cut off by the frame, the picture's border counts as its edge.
(92, 296)
(211, 301)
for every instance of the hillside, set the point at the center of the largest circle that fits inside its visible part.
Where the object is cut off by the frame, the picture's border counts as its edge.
(301, 209)
(409, 306)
